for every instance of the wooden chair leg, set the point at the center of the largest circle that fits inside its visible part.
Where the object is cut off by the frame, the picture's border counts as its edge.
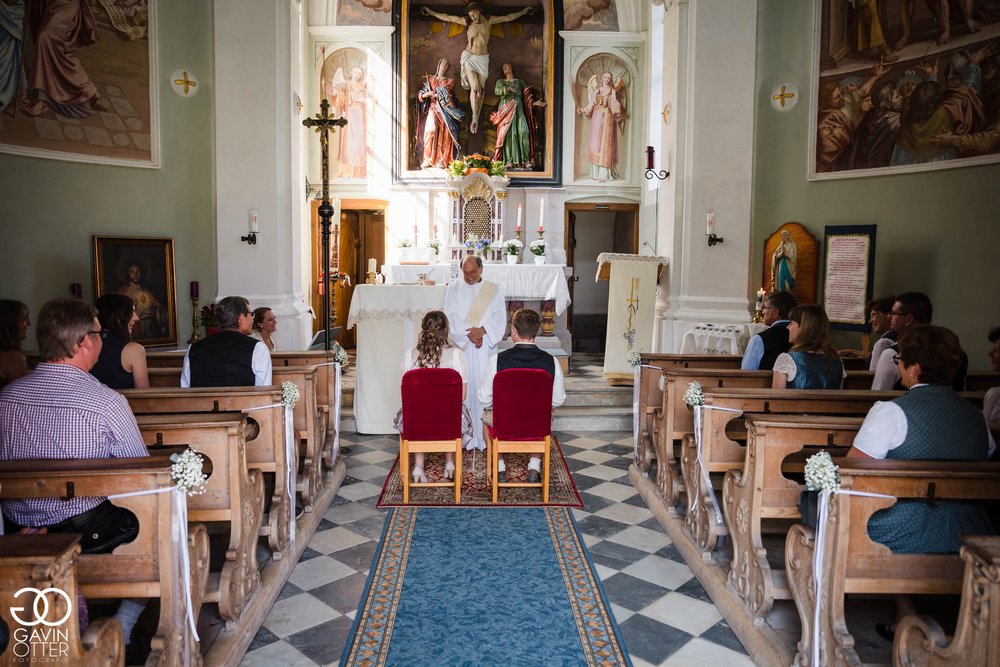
(494, 469)
(404, 468)
(458, 471)
(545, 471)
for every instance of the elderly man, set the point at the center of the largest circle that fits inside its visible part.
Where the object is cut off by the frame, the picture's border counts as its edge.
(230, 358)
(477, 318)
(60, 411)
(525, 354)
(763, 349)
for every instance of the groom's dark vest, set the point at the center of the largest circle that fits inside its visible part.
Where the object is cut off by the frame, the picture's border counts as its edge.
(224, 359)
(526, 356)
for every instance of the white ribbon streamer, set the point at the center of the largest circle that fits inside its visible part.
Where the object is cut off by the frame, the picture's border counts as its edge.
(703, 473)
(290, 462)
(179, 541)
(337, 397)
(637, 419)
(818, 549)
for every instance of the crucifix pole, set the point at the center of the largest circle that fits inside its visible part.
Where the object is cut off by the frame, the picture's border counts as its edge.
(323, 123)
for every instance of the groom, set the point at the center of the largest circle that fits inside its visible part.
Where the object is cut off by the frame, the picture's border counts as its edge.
(477, 318)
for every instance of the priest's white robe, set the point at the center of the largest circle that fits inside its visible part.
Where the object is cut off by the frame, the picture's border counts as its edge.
(457, 303)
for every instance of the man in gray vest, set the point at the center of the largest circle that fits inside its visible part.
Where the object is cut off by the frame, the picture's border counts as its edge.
(230, 358)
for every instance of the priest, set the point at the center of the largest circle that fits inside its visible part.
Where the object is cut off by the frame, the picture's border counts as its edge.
(477, 319)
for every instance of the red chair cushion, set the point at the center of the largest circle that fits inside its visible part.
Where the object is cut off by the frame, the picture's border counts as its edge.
(432, 404)
(522, 404)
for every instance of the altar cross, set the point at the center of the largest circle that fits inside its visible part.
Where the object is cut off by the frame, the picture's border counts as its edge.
(781, 96)
(186, 82)
(323, 123)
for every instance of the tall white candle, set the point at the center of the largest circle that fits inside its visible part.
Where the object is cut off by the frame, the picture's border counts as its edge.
(520, 214)
(253, 222)
(709, 224)
(541, 213)
(371, 265)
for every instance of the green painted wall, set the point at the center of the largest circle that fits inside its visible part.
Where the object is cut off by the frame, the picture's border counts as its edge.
(938, 232)
(50, 208)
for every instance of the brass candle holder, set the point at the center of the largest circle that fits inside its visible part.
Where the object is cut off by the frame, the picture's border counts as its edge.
(758, 316)
(370, 278)
(195, 322)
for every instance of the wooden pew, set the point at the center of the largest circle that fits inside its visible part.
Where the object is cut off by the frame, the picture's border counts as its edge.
(720, 453)
(233, 493)
(265, 452)
(853, 563)
(39, 563)
(759, 492)
(143, 568)
(921, 641)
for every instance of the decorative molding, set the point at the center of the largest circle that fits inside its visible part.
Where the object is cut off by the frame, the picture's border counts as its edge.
(632, 52)
(184, 82)
(784, 96)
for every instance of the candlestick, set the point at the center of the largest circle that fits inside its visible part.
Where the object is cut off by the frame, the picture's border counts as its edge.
(414, 236)
(649, 157)
(194, 289)
(371, 265)
(195, 317)
(76, 289)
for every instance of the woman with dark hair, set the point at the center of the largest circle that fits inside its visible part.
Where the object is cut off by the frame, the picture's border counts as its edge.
(264, 325)
(433, 350)
(811, 363)
(14, 323)
(122, 364)
(930, 422)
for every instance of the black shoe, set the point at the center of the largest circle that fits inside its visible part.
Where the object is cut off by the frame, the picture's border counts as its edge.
(885, 631)
(534, 477)
(502, 476)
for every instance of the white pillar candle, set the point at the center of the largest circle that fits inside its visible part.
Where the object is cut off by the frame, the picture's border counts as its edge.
(520, 214)
(253, 222)
(709, 224)
(541, 213)
(371, 265)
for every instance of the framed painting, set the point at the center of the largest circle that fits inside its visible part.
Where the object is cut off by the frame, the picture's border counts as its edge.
(902, 87)
(76, 81)
(478, 79)
(142, 269)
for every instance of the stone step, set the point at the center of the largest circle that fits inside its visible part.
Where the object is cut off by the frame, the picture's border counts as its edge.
(611, 418)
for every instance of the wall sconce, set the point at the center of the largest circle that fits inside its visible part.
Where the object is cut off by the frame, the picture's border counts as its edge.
(251, 238)
(710, 230)
(651, 172)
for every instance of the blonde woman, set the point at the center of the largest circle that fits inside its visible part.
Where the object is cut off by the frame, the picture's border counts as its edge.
(433, 350)
(812, 363)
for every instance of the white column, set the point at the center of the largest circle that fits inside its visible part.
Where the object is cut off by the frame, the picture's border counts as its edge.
(708, 70)
(258, 160)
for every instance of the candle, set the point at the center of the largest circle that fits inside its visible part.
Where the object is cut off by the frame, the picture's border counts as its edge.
(253, 222)
(76, 289)
(194, 289)
(414, 235)
(435, 230)
(649, 157)
(520, 214)
(541, 214)
(710, 224)
(371, 265)
(760, 298)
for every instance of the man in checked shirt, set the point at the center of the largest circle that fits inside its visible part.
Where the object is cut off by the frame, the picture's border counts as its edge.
(60, 411)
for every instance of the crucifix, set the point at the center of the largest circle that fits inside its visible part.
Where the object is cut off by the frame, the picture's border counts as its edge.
(323, 123)
(633, 309)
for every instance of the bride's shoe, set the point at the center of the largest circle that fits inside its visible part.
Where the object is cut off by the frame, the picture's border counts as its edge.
(449, 470)
(418, 476)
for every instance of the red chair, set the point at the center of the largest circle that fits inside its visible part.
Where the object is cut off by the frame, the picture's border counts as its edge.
(432, 422)
(522, 423)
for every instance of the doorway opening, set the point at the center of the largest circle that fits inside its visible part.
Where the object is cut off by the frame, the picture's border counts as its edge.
(591, 229)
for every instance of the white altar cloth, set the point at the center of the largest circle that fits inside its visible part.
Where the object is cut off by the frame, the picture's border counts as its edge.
(719, 339)
(520, 282)
(387, 319)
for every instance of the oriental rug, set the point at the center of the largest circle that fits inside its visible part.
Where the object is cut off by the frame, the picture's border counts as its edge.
(476, 489)
(502, 586)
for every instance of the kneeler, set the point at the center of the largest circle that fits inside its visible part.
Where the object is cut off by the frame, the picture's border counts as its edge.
(432, 422)
(522, 423)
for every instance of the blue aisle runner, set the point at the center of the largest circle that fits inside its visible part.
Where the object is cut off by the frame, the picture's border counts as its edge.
(500, 586)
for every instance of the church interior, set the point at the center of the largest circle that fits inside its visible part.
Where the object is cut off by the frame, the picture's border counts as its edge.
(642, 173)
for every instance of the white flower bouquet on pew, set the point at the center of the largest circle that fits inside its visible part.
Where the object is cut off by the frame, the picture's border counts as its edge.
(340, 355)
(633, 358)
(694, 395)
(289, 393)
(821, 474)
(187, 472)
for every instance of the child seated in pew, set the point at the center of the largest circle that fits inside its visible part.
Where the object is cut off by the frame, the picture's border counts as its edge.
(811, 363)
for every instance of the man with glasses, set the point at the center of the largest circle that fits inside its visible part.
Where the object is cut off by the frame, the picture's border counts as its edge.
(230, 358)
(763, 349)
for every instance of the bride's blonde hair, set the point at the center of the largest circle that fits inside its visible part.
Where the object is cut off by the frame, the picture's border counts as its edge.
(432, 339)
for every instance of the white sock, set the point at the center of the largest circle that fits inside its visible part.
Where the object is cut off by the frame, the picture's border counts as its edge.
(535, 463)
(500, 466)
(128, 615)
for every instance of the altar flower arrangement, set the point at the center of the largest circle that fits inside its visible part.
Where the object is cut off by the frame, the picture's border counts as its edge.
(289, 393)
(435, 245)
(405, 243)
(694, 396)
(821, 473)
(186, 471)
(209, 317)
(633, 358)
(478, 161)
(477, 244)
(457, 168)
(537, 247)
(498, 168)
(513, 246)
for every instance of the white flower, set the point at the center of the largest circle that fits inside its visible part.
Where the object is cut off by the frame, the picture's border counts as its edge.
(821, 473)
(537, 247)
(694, 396)
(289, 393)
(633, 358)
(516, 244)
(340, 355)
(187, 472)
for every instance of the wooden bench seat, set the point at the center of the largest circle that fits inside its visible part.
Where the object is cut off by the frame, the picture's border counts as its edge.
(921, 641)
(264, 452)
(234, 493)
(853, 563)
(40, 562)
(143, 568)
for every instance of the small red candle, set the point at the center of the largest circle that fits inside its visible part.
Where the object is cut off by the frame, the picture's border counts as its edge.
(649, 157)
(194, 289)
